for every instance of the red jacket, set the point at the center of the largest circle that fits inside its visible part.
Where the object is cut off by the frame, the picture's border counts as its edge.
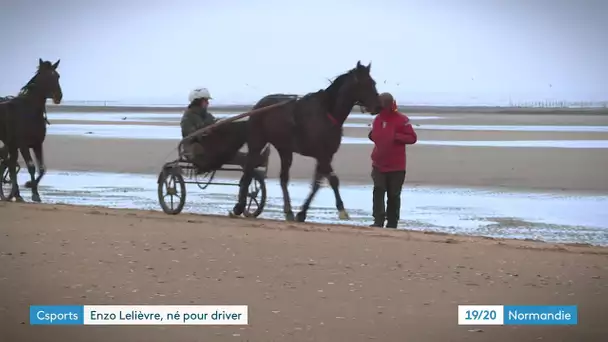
(391, 131)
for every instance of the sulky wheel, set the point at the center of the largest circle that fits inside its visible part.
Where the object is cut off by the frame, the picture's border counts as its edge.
(171, 191)
(7, 190)
(256, 196)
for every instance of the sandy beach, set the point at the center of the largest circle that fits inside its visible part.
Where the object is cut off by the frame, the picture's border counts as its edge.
(310, 282)
(302, 282)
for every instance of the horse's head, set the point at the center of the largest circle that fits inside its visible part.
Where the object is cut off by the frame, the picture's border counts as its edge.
(362, 88)
(46, 81)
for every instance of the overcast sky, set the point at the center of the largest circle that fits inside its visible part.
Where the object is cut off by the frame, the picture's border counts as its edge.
(423, 51)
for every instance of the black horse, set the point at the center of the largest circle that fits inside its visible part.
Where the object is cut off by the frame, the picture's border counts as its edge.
(3, 150)
(23, 125)
(310, 126)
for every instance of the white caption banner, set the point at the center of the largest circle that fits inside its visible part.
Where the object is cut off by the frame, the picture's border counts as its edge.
(166, 315)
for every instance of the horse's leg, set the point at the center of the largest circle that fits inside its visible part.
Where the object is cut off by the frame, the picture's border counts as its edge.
(31, 168)
(286, 161)
(38, 153)
(324, 169)
(3, 154)
(13, 155)
(316, 184)
(250, 164)
(334, 182)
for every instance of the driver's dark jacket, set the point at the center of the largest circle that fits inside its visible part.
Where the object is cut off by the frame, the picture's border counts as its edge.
(195, 119)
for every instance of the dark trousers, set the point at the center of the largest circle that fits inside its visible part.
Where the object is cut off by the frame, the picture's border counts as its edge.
(196, 154)
(389, 184)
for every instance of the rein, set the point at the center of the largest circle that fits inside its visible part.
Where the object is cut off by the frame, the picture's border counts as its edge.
(332, 90)
(45, 117)
(332, 119)
(206, 129)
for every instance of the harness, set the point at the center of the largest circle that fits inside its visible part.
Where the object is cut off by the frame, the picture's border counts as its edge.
(332, 119)
(45, 118)
(335, 121)
(6, 99)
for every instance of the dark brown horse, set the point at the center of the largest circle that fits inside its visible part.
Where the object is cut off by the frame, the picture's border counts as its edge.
(310, 126)
(23, 124)
(3, 150)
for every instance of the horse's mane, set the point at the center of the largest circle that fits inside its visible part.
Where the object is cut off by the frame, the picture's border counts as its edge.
(28, 86)
(337, 82)
(332, 90)
(31, 82)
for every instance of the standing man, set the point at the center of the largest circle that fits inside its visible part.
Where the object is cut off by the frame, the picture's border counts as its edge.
(391, 131)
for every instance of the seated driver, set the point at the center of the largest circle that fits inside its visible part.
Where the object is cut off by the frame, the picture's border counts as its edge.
(195, 118)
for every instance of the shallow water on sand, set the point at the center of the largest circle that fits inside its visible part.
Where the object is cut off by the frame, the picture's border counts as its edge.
(602, 144)
(174, 133)
(173, 117)
(517, 128)
(550, 217)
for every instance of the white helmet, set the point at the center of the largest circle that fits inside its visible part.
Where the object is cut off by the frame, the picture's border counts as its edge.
(199, 93)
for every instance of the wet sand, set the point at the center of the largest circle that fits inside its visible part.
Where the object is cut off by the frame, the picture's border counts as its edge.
(520, 168)
(502, 167)
(302, 282)
(563, 217)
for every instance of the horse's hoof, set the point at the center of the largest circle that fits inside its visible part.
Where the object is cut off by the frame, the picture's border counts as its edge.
(289, 216)
(28, 184)
(232, 215)
(19, 199)
(36, 198)
(343, 215)
(301, 217)
(238, 210)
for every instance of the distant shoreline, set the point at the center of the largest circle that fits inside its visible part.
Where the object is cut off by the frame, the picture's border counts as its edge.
(404, 109)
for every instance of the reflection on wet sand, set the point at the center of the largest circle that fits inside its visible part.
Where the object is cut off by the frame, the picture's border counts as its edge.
(542, 216)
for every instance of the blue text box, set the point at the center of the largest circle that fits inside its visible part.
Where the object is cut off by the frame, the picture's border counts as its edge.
(540, 315)
(56, 314)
